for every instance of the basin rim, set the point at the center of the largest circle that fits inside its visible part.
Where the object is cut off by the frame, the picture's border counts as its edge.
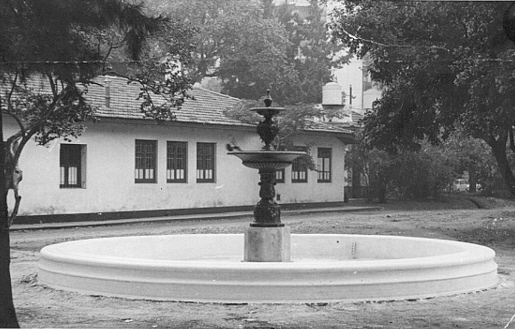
(468, 268)
(467, 253)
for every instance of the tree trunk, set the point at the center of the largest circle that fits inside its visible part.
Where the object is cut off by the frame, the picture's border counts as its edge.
(7, 313)
(472, 179)
(499, 151)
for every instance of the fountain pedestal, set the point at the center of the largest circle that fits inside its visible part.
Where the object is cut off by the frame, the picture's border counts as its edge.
(267, 212)
(267, 244)
(267, 239)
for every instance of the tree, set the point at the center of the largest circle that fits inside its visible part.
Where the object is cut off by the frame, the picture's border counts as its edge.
(215, 22)
(295, 66)
(409, 174)
(475, 157)
(57, 42)
(252, 46)
(443, 64)
(237, 44)
(312, 54)
(373, 166)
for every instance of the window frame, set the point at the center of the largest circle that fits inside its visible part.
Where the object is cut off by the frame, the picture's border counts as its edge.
(65, 152)
(206, 162)
(153, 163)
(324, 164)
(280, 176)
(303, 167)
(174, 163)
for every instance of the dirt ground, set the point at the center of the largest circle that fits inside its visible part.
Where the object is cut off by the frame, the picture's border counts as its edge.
(458, 219)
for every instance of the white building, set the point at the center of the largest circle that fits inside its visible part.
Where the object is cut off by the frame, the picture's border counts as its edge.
(126, 165)
(360, 92)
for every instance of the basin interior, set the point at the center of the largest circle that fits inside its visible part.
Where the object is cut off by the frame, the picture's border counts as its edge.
(323, 268)
(215, 247)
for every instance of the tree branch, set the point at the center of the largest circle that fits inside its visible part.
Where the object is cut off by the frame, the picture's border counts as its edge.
(9, 106)
(13, 85)
(392, 45)
(512, 142)
(52, 85)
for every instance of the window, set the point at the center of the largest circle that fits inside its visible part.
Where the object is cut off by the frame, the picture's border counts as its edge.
(299, 168)
(324, 165)
(176, 162)
(205, 162)
(145, 169)
(71, 164)
(279, 176)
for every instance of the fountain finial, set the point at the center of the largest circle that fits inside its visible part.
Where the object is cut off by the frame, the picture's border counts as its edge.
(268, 99)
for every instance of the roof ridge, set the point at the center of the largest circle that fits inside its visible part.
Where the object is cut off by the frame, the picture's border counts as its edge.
(195, 86)
(116, 77)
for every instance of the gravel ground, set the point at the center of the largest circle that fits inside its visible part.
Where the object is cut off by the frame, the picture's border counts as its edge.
(456, 218)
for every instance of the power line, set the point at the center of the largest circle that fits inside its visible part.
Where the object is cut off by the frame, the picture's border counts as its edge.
(71, 62)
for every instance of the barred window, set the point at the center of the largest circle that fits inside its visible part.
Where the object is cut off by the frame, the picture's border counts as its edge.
(205, 162)
(70, 165)
(324, 165)
(145, 168)
(299, 168)
(176, 162)
(279, 176)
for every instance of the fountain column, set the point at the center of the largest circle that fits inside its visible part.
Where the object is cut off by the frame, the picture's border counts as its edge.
(267, 239)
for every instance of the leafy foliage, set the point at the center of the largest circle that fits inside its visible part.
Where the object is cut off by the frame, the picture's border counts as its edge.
(443, 64)
(312, 54)
(475, 156)
(52, 50)
(63, 45)
(427, 172)
(163, 88)
(252, 46)
(407, 175)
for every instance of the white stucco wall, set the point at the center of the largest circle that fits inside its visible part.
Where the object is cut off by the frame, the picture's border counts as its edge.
(351, 75)
(110, 184)
(313, 191)
(370, 96)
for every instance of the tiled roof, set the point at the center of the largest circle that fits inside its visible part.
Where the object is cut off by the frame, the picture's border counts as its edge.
(206, 107)
(357, 117)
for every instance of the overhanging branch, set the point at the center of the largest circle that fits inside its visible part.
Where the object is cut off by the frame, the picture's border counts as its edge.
(390, 45)
(512, 142)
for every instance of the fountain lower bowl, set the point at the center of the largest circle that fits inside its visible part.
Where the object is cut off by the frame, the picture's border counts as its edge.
(324, 268)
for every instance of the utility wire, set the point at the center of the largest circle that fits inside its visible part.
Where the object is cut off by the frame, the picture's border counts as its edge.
(70, 62)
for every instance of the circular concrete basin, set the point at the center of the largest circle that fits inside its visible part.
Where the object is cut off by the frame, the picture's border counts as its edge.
(324, 268)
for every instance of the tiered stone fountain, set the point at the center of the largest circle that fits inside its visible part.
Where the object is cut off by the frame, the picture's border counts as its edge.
(277, 267)
(267, 239)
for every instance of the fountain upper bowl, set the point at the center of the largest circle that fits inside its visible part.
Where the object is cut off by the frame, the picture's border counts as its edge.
(259, 159)
(269, 110)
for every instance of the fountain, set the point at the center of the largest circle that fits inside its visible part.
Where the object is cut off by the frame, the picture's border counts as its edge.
(267, 239)
(277, 267)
